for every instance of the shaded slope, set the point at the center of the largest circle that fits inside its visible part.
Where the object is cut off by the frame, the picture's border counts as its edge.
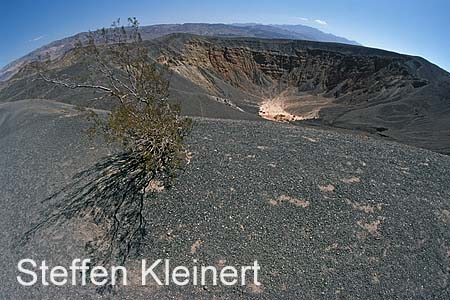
(328, 215)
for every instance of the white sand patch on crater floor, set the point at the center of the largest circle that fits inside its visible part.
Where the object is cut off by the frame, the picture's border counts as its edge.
(286, 108)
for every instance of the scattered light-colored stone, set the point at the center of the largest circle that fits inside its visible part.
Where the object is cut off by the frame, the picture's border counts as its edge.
(255, 289)
(327, 188)
(287, 199)
(372, 227)
(367, 208)
(195, 246)
(154, 186)
(351, 180)
(310, 139)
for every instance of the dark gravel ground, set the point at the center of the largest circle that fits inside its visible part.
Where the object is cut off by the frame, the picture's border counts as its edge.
(328, 215)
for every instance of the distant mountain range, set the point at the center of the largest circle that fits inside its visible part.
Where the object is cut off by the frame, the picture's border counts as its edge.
(301, 32)
(298, 32)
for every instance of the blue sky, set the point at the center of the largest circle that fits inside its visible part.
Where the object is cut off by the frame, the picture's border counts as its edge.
(412, 27)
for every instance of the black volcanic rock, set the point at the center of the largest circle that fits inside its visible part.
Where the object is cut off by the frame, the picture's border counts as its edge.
(328, 215)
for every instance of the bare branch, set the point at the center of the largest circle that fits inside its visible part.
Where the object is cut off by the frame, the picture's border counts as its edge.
(76, 86)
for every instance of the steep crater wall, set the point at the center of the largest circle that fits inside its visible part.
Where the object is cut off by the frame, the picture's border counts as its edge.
(265, 71)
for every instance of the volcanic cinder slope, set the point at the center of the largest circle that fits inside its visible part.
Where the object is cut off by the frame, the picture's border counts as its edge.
(328, 215)
(398, 97)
